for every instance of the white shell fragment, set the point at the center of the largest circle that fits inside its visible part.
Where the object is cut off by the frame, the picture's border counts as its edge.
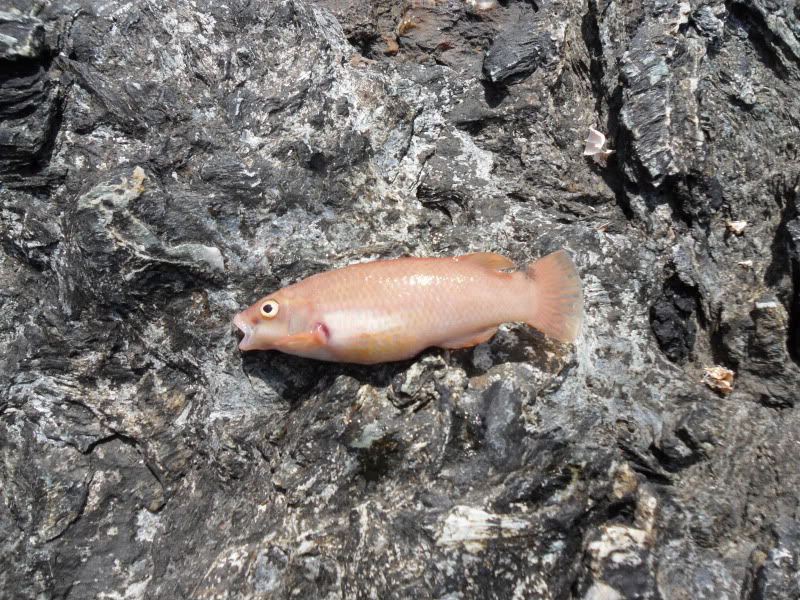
(594, 143)
(736, 227)
(719, 379)
(745, 264)
(595, 146)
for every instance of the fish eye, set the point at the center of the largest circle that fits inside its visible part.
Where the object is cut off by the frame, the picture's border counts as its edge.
(270, 309)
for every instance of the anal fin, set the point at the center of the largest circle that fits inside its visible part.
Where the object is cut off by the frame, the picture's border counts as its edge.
(472, 339)
(490, 260)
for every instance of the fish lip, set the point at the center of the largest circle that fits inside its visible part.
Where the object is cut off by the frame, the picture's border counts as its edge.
(246, 328)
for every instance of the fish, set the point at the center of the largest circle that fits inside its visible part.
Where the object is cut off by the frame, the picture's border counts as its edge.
(390, 310)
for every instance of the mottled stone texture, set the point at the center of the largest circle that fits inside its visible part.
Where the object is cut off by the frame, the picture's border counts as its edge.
(164, 164)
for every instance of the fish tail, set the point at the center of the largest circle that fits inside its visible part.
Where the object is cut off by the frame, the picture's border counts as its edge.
(558, 301)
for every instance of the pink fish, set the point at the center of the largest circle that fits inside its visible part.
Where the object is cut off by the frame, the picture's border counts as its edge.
(393, 309)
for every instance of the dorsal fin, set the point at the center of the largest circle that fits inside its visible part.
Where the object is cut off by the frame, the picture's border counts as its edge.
(490, 260)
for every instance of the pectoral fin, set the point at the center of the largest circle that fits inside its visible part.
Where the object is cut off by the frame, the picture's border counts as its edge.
(301, 342)
(472, 339)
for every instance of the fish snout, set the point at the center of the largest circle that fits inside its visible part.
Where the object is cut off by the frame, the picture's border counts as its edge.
(247, 329)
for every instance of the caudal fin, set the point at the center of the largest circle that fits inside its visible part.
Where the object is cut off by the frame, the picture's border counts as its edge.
(559, 296)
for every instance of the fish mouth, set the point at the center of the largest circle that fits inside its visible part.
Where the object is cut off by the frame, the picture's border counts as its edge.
(247, 329)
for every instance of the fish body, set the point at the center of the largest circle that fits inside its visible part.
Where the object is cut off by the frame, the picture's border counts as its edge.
(391, 310)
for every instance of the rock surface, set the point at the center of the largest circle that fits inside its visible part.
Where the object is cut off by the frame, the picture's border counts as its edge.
(165, 164)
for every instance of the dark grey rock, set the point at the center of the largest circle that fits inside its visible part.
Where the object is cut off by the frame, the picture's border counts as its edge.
(516, 53)
(161, 169)
(778, 574)
(504, 427)
(672, 317)
(28, 97)
(21, 37)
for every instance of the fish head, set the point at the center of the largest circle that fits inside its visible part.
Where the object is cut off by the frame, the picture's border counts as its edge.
(267, 321)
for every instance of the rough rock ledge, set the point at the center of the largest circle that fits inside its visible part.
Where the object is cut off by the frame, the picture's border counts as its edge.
(163, 164)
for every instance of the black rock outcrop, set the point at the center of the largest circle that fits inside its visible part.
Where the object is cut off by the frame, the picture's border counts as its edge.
(164, 165)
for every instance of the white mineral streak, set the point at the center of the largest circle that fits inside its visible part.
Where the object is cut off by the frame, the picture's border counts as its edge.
(112, 205)
(149, 526)
(602, 591)
(471, 527)
(482, 5)
(768, 303)
(207, 255)
(618, 543)
(622, 546)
